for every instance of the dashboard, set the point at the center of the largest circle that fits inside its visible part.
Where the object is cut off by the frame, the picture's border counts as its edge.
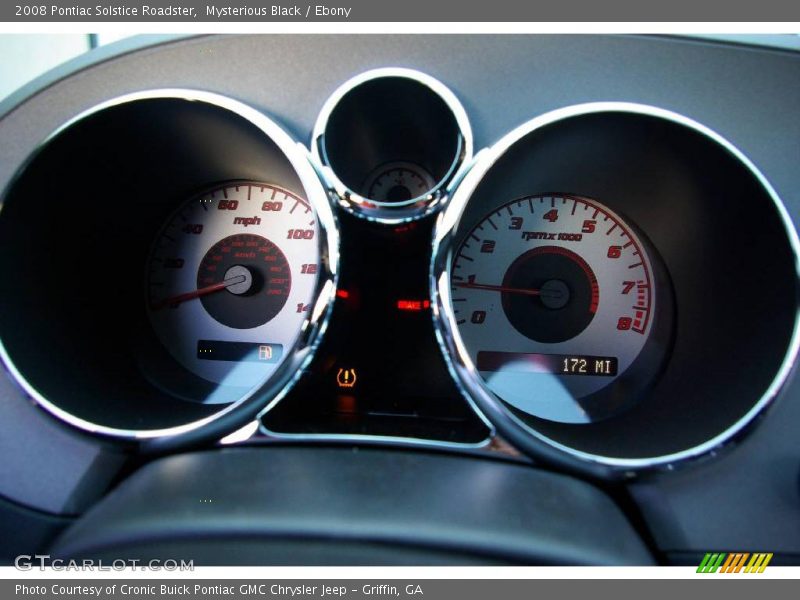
(402, 300)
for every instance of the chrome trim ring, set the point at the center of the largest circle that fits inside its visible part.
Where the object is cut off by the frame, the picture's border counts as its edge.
(376, 439)
(464, 371)
(383, 212)
(312, 328)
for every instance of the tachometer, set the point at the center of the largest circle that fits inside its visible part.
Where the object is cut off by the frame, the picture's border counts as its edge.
(230, 278)
(556, 293)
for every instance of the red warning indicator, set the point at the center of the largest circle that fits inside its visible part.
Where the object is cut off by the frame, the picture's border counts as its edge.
(413, 305)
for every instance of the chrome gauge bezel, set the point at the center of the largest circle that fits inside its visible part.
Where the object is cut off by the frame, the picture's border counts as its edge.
(471, 384)
(243, 410)
(383, 212)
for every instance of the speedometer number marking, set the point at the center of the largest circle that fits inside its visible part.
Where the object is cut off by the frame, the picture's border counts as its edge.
(230, 274)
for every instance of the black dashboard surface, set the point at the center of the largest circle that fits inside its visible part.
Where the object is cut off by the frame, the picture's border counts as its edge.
(746, 498)
(362, 506)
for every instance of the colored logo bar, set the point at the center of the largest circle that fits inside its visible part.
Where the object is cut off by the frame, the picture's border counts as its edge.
(734, 562)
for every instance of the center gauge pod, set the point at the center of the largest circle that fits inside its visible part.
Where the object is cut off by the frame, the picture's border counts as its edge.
(389, 142)
(593, 296)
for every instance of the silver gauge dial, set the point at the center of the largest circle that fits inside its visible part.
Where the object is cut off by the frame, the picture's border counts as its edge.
(554, 297)
(231, 277)
(398, 183)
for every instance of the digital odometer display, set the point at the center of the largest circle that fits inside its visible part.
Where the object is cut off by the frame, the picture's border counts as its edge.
(558, 364)
(554, 297)
(239, 351)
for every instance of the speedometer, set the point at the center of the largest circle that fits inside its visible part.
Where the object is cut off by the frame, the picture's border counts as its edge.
(556, 293)
(230, 279)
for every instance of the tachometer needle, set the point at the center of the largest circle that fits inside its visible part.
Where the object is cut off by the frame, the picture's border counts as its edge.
(217, 287)
(498, 288)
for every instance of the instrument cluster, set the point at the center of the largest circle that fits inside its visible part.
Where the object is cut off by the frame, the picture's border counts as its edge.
(589, 287)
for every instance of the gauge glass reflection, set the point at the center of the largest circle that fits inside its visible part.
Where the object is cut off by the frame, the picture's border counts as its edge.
(555, 299)
(230, 279)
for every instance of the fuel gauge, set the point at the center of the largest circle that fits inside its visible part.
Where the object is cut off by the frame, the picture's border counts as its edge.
(398, 182)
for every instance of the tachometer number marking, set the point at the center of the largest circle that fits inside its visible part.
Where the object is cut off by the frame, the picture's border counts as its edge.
(557, 291)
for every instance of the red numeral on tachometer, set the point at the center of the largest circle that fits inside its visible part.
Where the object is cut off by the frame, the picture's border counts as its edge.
(551, 215)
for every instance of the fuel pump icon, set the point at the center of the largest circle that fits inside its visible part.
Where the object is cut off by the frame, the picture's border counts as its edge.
(346, 378)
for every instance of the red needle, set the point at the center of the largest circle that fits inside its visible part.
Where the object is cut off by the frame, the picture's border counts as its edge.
(498, 288)
(175, 300)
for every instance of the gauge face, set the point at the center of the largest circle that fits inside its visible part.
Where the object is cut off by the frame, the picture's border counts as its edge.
(256, 275)
(554, 297)
(230, 278)
(398, 182)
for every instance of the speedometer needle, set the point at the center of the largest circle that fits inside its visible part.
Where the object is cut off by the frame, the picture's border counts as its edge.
(176, 300)
(498, 288)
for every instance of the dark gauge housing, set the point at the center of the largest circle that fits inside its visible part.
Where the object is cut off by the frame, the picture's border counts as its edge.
(725, 242)
(392, 139)
(82, 216)
(379, 372)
